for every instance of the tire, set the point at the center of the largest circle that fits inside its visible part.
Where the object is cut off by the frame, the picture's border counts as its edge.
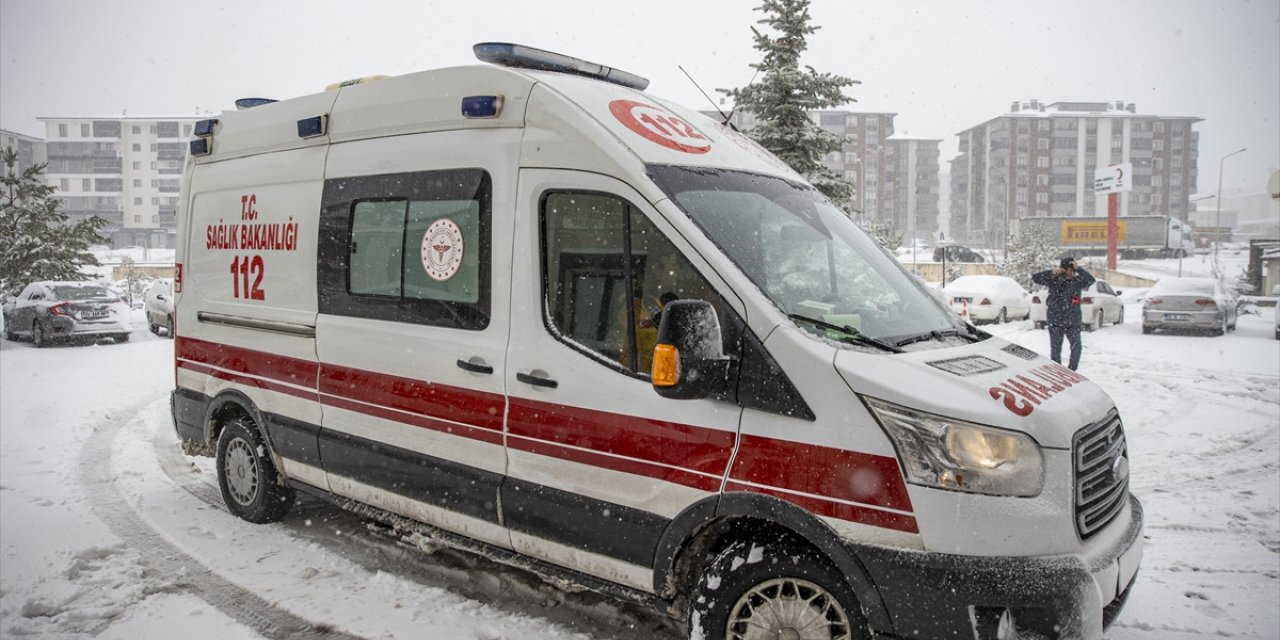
(774, 581)
(155, 328)
(1120, 316)
(1037, 324)
(37, 335)
(168, 326)
(1098, 317)
(120, 338)
(247, 477)
(1220, 331)
(1003, 316)
(1148, 330)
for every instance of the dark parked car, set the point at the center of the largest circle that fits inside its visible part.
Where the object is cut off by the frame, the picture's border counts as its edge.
(957, 253)
(49, 311)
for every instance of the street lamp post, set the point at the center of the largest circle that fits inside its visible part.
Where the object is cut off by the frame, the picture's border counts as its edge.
(1217, 236)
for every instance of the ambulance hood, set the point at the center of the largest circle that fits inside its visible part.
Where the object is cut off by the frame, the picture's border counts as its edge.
(992, 383)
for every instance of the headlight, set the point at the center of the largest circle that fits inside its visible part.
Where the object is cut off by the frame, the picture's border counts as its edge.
(951, 454)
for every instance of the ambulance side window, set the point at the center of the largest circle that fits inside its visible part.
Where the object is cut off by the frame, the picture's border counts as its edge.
(408, 247)
(607, 273)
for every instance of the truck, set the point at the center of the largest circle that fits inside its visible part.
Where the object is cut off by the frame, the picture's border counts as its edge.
(1140, 236)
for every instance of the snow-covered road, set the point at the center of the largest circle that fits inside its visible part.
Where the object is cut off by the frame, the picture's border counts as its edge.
(108, 531)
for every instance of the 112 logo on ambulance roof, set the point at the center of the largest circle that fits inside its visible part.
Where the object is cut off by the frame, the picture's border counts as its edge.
(659, 125)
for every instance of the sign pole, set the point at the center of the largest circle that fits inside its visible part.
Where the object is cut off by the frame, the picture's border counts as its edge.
(1113, 228)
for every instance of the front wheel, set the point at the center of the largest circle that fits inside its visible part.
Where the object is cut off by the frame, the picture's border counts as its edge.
(1003, 316)
(1096, 323)
(771, 589)
(248, 479)
(1120, 316)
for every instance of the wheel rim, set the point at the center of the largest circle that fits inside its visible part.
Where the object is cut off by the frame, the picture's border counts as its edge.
(241, 472)
(788, 609)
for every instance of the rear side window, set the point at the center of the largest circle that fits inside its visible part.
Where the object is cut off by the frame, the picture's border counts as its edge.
(410, 247)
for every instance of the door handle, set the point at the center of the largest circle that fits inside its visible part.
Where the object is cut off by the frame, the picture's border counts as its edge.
(474, 367)
(537, 381)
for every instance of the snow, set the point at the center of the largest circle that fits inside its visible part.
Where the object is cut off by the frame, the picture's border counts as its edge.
(108, 531)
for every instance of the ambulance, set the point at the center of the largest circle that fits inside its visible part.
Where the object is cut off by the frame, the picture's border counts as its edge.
(541, 314)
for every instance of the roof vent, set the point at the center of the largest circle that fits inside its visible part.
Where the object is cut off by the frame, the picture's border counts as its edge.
(249, 103)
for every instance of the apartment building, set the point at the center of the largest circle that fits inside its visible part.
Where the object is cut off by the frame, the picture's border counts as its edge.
(124, 169)
(1039, 160)
(31, 150)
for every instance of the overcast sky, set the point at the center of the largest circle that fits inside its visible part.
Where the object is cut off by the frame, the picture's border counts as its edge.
(943, 65)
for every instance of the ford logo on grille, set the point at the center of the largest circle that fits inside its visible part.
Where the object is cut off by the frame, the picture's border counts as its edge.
(1119, 471)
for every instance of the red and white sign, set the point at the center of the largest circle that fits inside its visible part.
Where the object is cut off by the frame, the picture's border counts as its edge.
(660, 126)
(1113, 178)
(442, 249)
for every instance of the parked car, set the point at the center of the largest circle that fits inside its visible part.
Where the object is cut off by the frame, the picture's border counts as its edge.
(158, 306)
(1189, 303)
(1099, 305)
(991, 298)
(957, 253)
(51, 311)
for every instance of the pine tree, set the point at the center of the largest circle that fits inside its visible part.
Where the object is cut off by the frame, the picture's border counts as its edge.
(36, 242)
(1030, 251)
(785, 93)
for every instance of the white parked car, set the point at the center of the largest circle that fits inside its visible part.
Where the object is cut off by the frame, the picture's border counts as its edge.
(988, 298)
(1099, 305)
(159, 306)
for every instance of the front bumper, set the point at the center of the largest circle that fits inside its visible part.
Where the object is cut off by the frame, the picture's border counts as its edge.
(933, 595)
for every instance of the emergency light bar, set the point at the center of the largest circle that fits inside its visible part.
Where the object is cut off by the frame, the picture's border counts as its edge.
(522, 57)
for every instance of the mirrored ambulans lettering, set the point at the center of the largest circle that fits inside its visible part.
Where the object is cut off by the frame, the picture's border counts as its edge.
(248, 270)
(1022, 393)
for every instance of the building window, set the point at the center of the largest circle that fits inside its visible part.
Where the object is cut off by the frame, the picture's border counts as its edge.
(1021, 197)
(137, 182)
(137, 147)
(186, 131)
(153, 146)
(84, 130)
(1157, 181)
(1042, 143)
(1022, 159)
(1042, 198)
(1117, 143)
(62, 130)
(136, 130)
(1042, 180)
(155, 219)
(1042, 162)
(137, 166)
(137, 202)
(1176, 162)
(850, 158)
(137, 219)
(64, 184)
(1157, 145)
(1042, 125)
(155, 201)
(167, 130)
(1159, 127)
(1175, 180)
(153, 129)
(86, 184)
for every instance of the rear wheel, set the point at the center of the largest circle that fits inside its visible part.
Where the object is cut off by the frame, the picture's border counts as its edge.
(1148, 330)
(1096, 322)
(1037, 324)
(37, 335)
(168, 326)
(1222, 330)
(248, 479)
(772, 589)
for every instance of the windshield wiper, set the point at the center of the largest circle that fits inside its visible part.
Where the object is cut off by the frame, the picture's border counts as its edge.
(970, 334)
(851, 334)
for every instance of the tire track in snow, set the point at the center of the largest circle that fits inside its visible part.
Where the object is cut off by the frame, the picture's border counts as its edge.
(381, 548)
(164, 559)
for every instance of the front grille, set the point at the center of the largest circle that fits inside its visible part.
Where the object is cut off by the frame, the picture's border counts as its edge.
(1100, 456)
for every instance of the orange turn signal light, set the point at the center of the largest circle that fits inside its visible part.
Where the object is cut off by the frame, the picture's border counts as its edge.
(666, 366)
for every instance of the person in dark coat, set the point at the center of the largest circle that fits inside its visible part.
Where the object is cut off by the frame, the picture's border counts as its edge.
(1066, 285)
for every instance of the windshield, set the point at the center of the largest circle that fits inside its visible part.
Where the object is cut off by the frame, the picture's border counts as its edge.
(806, 255)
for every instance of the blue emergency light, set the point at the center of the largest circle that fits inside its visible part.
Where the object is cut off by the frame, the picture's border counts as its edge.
(204, 128)
(522, 57)
(313, 126)
(201, 146)
(481, 106)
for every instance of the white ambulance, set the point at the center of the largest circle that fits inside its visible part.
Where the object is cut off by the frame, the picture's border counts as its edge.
(539, 313)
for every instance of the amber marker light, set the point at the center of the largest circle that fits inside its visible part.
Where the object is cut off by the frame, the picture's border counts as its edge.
(666, 366)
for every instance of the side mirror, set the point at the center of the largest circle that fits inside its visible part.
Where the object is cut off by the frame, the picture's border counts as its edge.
(1118, 292)
(689, 361)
